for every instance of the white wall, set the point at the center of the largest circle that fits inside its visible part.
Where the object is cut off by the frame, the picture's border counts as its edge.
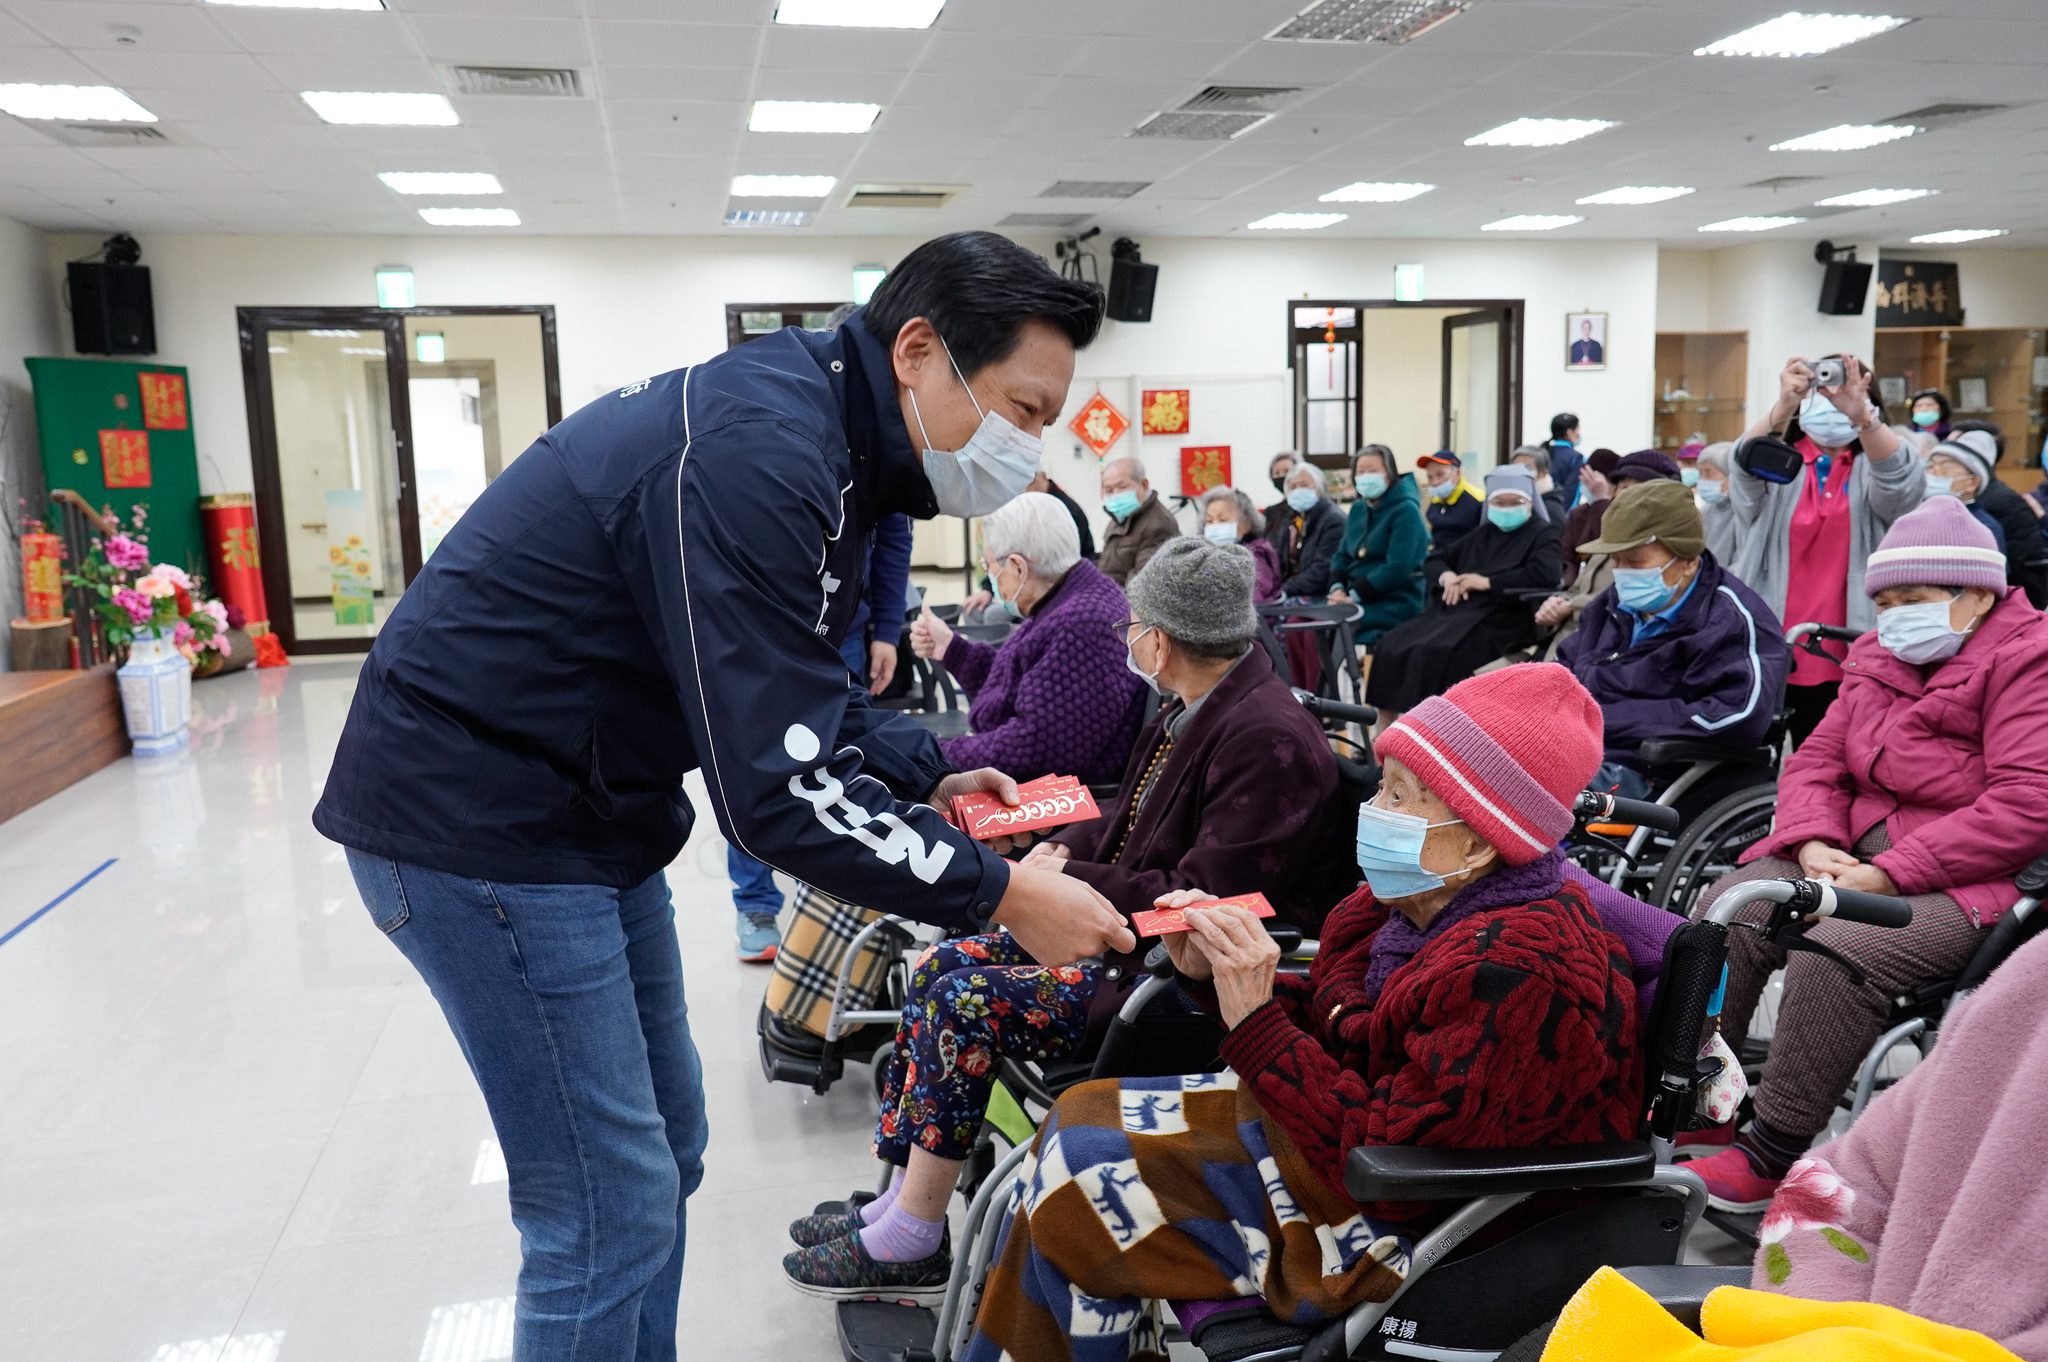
(28, 326)
(1770, 289)
(629, 307)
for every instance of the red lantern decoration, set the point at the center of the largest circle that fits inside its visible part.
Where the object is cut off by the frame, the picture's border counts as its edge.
(236, 566)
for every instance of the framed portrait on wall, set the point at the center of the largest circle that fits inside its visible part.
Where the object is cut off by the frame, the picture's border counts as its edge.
(1585, 340)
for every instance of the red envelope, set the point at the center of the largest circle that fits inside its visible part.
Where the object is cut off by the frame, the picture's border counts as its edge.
(1165, 921)
(1048, 802)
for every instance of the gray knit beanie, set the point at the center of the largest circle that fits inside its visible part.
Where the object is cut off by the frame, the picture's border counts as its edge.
(1197, 592)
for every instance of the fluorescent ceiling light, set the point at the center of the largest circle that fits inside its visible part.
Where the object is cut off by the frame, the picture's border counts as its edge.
(72, 103)
(470, 217)
(1848, 137)
(1377, 191)
(1956, 235)
(1801, 35)
(1539, 132)
(782, 186)
(302, 4)
(381, 108)
(806, 115)
(1756, 224)
(441, 181)
(1532, 222)
(860, 13)
(1874, 198)
(769, 217)
(1296, 222)
(1639, 193)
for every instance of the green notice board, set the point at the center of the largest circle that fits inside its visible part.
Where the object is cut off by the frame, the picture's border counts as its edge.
(120, 435)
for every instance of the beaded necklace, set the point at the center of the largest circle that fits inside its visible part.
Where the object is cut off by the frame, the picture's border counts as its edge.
(1138, 795)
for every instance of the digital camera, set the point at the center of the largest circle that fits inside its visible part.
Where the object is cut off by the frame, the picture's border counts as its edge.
(1827, 373)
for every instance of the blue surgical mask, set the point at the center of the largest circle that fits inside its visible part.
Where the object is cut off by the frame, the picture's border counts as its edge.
(1131, 661)
(1642, 590)
(1508, 518)
(1390, 852)
(1689, 476)
(1940, 487)
(988, 472)
(1443, 491)
(1302, 499)
(1371, 486)
(1924, 419)
(1825, 426)
(1007, 604)
(1220, 532)
(1711, 492)
(1122, 505)
(1919, 633)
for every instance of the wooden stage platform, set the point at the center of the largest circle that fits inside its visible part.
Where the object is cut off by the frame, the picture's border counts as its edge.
(56, 728)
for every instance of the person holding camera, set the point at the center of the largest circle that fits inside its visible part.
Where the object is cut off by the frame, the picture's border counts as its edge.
(1817, 483)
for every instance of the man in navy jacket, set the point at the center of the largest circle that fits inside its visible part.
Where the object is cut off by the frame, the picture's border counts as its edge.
(1678, 647)
(660, 584)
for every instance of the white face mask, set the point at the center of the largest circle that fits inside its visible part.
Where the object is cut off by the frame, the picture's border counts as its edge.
(1919, 633)
(988, 472)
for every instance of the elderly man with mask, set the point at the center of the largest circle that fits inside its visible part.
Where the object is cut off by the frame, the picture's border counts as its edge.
(1677, 647)
(1803, 544)
(660, 584)
(1138, 521)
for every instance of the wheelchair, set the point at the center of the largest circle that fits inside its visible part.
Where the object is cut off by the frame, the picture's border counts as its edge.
(1500, 1264)
(1342, 677)
(1725, 796)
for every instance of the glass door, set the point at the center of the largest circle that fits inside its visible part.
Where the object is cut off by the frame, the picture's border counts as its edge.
(1480, 387)
(345, 538)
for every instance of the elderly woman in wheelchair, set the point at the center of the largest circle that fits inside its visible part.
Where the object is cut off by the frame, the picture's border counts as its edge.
(1467, 997)
(1232, 784)
(1927, 779)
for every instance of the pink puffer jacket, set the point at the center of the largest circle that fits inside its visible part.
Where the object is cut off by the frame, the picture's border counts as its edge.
(1953, 758)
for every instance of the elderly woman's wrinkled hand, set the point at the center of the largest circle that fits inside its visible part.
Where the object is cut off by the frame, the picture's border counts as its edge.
(1824, 861)
(1242, 956)
(1866, 879)
(1184, 948)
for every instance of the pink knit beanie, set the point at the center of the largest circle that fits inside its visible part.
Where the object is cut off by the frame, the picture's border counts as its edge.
(1508, 751)
(1938, 544)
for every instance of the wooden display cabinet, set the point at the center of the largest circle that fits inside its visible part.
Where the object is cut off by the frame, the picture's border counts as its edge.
(2001, 359)
(1702, 386)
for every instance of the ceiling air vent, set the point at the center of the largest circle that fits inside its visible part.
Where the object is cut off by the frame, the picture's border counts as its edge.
(1781, 182)
(1199, 127)
(1367, 21)
(1094, 189)
(102, 136)
(1948, 113)
(1045, 220)
(556, 82)
(1242, 98)
(902, 195)
(768, 217)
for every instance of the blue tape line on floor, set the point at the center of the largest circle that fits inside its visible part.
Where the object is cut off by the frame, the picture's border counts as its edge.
(18, 928)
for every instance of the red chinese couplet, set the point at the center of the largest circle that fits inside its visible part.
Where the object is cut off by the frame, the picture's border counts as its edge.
(124, 458)
(1203, 467)
(237, 569)
(1164, 411)
(42, 575)
(163, 402)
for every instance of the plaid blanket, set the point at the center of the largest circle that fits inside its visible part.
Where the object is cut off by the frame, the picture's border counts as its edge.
(807, 965)
(1170, 1188)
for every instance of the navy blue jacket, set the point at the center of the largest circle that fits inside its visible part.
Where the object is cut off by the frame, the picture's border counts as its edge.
(658, 585)
(1715, 675)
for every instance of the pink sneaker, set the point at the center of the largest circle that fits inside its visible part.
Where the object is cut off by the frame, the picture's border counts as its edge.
(1732, 1185)
(1694, 1144)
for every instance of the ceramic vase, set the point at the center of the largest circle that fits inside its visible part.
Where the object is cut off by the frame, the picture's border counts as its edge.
(156, 695)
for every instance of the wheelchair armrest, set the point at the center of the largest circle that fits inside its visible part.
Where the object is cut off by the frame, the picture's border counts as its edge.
(1411, 1173)
(1683, 1289)
(1685, 751)
(2033, 880)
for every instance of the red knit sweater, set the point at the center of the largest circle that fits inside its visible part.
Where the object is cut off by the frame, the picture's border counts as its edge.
(1515, 1028)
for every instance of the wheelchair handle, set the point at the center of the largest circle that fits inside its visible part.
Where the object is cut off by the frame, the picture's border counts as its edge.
(1811, 898)
(1363, 715)
(1853, 905)
(1598, 806)
(1835, 632)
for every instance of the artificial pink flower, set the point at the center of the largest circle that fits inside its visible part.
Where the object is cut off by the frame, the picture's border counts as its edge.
(127, 554)
(219, 613)
(173, 574)
(155, 585)
(139, 606)
(181, 637)
(1812, 1196)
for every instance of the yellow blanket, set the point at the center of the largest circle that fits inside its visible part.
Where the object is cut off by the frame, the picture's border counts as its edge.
(1612, 1320)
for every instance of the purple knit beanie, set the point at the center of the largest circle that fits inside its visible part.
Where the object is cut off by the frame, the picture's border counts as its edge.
(1939, 544)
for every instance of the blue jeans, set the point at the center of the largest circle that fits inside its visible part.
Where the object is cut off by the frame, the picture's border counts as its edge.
(1624, 781)
(753, 884)
(567, 1001)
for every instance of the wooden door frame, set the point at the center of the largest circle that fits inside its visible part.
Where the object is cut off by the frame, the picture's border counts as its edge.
(253, 323)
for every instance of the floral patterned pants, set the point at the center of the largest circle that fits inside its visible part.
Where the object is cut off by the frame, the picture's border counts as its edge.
(972, 1001)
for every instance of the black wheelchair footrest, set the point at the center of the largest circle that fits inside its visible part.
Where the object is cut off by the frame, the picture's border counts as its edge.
(1682, 1290)
(1237, 1336)
(878, 1331)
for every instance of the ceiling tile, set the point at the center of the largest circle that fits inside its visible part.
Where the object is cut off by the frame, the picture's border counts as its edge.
(84, 24)
(46, 65)
(970, 55)
(800, 48)
(503, 42)
(684, 45)
(226, 106)
(298, 73)
(670, 82)
(134, 69)
(698, 11)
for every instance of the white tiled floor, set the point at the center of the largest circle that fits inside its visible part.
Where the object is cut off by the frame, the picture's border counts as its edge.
(233, 1126)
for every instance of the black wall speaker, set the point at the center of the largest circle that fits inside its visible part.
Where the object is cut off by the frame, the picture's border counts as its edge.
(111, 313)
(1843, 287)
(1130, 290)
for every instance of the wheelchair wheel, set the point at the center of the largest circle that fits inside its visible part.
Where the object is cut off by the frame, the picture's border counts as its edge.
(1711, 845)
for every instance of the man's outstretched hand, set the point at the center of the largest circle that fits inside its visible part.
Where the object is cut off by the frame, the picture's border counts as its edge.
(987, 778)
(1060, 920)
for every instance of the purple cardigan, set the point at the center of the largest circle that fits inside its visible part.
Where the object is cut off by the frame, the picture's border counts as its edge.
(1055, 698)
